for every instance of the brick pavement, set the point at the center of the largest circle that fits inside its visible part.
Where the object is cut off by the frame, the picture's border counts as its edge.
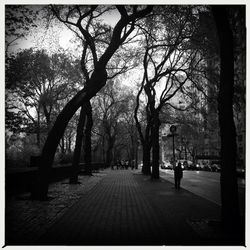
(127, 208)
(26, 220)
(114, 212)
(130, 209)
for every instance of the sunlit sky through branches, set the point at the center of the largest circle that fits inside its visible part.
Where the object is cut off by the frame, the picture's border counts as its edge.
(53, 36)
(52, 31)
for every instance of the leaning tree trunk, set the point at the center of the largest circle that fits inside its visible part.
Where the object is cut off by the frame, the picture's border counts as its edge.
(87, 145)
(229, 191)
(78, 146)
(93, 85)
(155, 146)
(96, 82)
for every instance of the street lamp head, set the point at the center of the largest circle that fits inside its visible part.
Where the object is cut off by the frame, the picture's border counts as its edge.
(173, 129)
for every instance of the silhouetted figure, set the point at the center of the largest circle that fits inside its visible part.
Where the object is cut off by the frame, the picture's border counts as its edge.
(178, 174)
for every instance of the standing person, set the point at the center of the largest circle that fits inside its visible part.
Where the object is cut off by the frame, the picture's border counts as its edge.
(178, 174)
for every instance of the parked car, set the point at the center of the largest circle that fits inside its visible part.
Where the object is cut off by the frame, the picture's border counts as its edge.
(162, 166)
(169, 166)
(185, 164)
(200, 166)
(166, 165)
(216, 167)
(192, 167)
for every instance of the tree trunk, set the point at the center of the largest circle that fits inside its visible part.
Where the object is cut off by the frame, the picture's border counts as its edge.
(87, 145)
(69, 143)
(109, 155)
(155, 146)
(38, 133)
(38, 137)
(146, 158)
(78, 146)
(136, 153)
(230, 215)
(97, 81)
(103, 149)
(47, 115)
(62, 146)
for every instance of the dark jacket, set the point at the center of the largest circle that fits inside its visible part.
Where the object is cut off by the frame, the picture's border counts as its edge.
(178, 172)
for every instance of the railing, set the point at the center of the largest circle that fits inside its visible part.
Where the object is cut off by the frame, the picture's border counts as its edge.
(21, 180)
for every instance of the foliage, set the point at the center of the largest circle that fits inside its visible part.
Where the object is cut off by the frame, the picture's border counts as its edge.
(19, 20)
(111, 108)
(36, 83)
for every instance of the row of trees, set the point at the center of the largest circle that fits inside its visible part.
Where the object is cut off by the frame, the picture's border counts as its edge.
(39, 85)
(169, 48)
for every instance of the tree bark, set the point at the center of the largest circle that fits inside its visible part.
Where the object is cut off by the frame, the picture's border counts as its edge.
(230, 215)
(69, 143)
(62, 146)
(147, 145)
(136, 152)
(145, 139)
(87, 145)
(78, 146)
(146, 158)
(155, 146)
(47, 115)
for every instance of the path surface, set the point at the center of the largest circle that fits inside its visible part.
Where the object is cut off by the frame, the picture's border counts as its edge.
(205, 184)
(26, 220)
(114, 212)
(119, 207)
(126, 208)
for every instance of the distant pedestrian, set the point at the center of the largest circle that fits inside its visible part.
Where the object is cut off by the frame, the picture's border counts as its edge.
(178, 174)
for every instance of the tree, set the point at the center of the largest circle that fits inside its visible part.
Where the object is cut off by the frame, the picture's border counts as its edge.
(130, 133)
(121, 31)
(85, 114)
(110, 107)
(19, 20)
(78, 144)
(35, 83)
(145, 137)
(118, 65)
(230, 215)
(168, 60)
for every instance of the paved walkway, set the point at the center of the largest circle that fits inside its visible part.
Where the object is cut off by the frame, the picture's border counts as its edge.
(127, 208)
(26, 220)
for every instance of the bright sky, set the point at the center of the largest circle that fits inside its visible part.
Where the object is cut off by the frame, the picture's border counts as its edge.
(64, 39)
(56, 34)
(66, 34)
